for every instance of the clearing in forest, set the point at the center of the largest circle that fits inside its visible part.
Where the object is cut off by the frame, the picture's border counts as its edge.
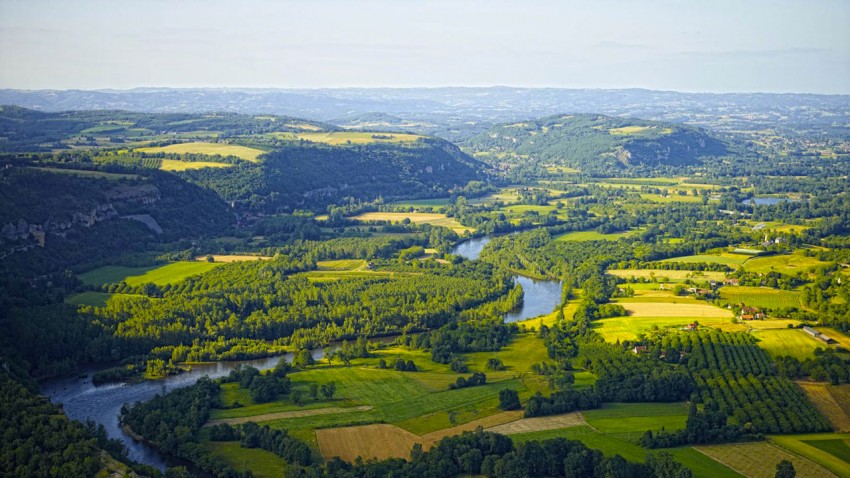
(380, 441)
(222, 149)
(727, 258)
(821, 396)
(759, 460)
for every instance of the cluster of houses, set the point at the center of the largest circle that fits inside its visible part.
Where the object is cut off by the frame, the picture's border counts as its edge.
(814, 333)
(751, 313)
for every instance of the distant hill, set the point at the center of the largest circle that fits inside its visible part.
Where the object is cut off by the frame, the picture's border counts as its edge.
(260, 163)
(595, 143)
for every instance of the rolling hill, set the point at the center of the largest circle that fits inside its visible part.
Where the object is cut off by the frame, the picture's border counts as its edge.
(595, 143)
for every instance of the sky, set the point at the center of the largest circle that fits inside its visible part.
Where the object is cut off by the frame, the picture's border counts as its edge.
(772, 46)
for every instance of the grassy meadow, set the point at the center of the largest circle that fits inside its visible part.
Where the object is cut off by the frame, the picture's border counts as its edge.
(760, 297)
(160, 275)
(223, 149)
(416, 218)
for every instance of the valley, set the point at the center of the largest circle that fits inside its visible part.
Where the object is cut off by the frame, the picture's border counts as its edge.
(380, 301)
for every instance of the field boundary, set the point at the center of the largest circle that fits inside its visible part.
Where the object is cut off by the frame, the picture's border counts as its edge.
(266, 417)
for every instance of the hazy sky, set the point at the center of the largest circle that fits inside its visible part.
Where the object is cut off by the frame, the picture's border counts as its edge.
(697, 45)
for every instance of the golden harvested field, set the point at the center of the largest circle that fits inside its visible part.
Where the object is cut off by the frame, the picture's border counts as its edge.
(692, 310)
(357, 137)
(379, 441)
(672, 275)
(821, 396)
(758, 460)
(223, 149)
(232, 258)
(415, 217)
(552, 422)
(175, 165)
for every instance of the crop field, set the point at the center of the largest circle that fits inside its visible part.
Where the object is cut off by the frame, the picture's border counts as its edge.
(343, 269)
(727, 258)
(683, 308)
(94, 299)
(663, 313)
(223, 149)
(637, 417)
(175, 165)
(416, 218)
(785, 263)
(830, 450)
(759, 460)
(672, 275)
(528, 425)
(582, 236)
(760, 296)
(826, 401)
(357, 137)
(341, 265)
(610, 444)
(379, 441)
(793, 342)
(489, 422)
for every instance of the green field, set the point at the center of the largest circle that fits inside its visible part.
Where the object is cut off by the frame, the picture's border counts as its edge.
(223, 149)
(262, 463)
(416, 218)
(594, 236)
(613, 444)
(823, 448)
(436, 202)
(722, 258)
(159, 275)
(793, 342)
(636, 418)
(94, 299)
(670, 198)
(789, 264)
(112, 274)
(760, 296)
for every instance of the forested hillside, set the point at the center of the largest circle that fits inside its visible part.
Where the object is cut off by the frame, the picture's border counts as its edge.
(313, 175)
(595, 143)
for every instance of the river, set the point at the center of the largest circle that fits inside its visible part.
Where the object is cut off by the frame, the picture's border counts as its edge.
(82, 400)
(539, 296)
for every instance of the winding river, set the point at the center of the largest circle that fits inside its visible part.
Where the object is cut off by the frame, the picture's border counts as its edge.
(539, 296)
(82, 400)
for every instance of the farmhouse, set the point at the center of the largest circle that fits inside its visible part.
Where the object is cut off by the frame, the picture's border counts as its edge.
(733, 282)
(692, 326)
(639, 349)
(751, 313)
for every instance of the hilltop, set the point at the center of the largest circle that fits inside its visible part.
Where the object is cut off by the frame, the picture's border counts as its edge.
(595, 143)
